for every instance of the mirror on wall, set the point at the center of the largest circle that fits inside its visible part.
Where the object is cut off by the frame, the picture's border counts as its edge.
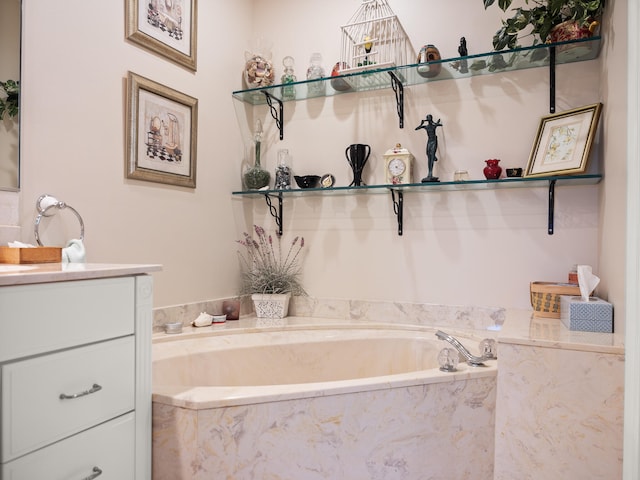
(10, 21)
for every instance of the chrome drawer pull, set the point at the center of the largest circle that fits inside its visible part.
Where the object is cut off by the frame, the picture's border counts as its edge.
(96, 473)
(95, 388)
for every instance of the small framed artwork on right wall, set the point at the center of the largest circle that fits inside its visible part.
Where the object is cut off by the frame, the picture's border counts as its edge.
(563, 142)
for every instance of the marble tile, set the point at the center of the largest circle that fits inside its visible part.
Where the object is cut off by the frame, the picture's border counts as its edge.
(456, 316)
(402, 433)
(559, 414)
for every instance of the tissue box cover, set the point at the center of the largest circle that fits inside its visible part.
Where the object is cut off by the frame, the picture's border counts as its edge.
(596, 315)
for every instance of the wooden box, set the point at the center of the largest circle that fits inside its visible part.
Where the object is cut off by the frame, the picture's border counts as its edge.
(30, 255)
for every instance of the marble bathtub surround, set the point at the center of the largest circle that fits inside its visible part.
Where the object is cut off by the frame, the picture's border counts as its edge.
(187, 313)
(573, 386)
(463, 317)
(401, 425)
(572, 381)
(214, 368)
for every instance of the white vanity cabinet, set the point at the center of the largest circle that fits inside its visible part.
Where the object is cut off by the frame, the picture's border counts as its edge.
(75, 373)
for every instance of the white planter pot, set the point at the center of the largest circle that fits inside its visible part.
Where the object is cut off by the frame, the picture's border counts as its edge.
(271, 305)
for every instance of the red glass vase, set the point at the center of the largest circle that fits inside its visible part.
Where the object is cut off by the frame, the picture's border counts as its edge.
(492, 171)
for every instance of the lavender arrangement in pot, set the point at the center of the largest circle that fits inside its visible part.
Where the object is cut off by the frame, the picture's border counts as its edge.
(268, 274)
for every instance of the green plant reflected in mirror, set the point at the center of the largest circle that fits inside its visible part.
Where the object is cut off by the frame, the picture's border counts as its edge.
(10, 28)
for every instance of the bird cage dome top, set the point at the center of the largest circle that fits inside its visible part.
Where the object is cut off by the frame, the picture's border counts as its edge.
(374, 38)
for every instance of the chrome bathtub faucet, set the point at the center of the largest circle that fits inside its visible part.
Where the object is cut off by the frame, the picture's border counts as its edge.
(471, 359)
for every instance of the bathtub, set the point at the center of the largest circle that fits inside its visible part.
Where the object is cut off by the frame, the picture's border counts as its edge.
(319, 402)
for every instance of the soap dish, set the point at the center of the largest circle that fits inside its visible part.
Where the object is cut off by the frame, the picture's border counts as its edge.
(219, 318)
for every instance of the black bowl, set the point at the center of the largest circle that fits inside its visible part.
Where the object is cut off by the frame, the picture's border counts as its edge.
(307, 181)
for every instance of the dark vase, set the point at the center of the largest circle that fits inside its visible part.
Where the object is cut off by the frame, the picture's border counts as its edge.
(492, 171)
(231, 308)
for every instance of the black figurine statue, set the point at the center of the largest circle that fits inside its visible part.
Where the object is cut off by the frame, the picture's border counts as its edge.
(462, 50)
(432, 144)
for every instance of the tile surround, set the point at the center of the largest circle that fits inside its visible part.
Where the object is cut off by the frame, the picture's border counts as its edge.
(462, 317)
(572, 383)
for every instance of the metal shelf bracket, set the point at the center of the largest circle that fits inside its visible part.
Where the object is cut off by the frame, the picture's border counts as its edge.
(552, 80)
(398, 89)
(552, 199)
(398, 209)
(277, 114)
(275, 212)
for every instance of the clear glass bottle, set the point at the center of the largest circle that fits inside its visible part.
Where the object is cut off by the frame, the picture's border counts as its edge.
(288, 91)
(314, 72)
(283, 171)
(257, 177)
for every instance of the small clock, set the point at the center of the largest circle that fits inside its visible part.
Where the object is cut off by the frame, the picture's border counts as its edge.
(397, 165)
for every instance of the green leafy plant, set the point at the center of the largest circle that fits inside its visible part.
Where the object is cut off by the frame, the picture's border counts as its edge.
(542, 17)
(9, 104)
(265, 269)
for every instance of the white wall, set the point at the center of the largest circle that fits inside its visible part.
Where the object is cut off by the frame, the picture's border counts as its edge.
(477, 247)
(76, 62)
(613, 199)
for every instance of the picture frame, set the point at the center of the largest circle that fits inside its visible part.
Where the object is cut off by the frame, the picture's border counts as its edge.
(168, 29)
(162, 126)
(563, 142)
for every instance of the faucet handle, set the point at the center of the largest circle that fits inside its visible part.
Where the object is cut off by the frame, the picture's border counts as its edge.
(448, 359)
(489, 349)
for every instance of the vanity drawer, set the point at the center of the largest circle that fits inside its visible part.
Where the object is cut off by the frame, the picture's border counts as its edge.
(40, 318)
(33, 412)
(109, 447)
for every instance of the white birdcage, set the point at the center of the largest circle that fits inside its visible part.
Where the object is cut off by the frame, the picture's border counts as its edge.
(374, 38)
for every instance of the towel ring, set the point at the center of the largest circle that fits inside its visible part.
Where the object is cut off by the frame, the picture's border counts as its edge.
(47, 202)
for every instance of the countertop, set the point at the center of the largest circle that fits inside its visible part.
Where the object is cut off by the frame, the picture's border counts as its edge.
(522, 327)
(60, 272)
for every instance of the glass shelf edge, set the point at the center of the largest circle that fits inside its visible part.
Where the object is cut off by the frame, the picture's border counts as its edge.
(377, 79)
(518, 182)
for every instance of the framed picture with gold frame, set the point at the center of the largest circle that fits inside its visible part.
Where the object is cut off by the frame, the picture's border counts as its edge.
(563, 142)
(162, 126)
(168, 28)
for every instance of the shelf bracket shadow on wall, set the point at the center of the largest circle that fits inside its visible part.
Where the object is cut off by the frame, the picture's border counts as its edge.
(277, 114)
(275, 212)
(398, 89)
(398, 208)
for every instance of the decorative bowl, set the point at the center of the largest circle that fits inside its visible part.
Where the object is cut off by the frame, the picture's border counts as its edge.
(307, 181)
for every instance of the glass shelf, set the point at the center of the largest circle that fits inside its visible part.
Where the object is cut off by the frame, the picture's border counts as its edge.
(515, 182)
(397, 192)
(451, 69)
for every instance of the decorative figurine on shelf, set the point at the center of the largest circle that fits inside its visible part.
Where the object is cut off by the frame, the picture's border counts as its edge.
(316, 72)
(462, 51)
(288, 77)
(432, 145)
(256, 177)
(368, 45)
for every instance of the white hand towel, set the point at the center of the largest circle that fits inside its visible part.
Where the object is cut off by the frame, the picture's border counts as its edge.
(74, 252)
